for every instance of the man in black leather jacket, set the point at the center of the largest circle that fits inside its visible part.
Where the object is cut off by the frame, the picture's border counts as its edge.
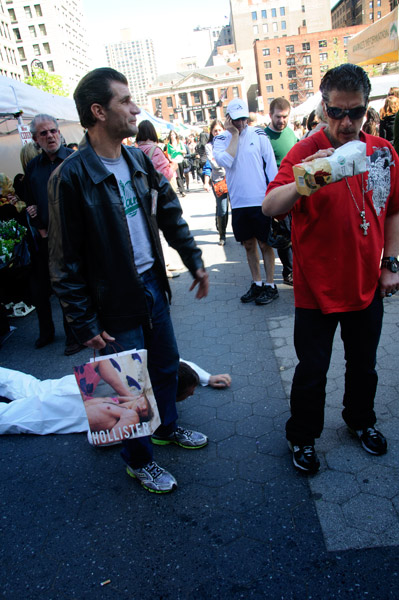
(105, 205)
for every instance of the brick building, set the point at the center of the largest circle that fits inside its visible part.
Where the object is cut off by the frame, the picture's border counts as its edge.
(347, 13)
(292, 67)
(195, 96)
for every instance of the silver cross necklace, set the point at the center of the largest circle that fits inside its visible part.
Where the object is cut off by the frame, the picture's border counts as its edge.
(364, 224)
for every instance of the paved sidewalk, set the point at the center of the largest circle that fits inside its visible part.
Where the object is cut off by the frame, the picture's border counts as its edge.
(243, 523)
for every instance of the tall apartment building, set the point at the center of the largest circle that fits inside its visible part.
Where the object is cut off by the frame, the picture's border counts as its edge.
(51, 35)
(253, 20)
(136, 60)
(293, 67)
(347, 13)
(9, 63)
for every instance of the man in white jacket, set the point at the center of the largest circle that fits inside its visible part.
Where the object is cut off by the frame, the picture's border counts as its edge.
(248, 158)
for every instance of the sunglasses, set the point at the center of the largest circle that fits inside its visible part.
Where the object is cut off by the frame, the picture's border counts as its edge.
(46, 131)
(339, 113)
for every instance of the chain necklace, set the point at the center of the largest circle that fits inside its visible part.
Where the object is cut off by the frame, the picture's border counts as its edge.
(364, 224)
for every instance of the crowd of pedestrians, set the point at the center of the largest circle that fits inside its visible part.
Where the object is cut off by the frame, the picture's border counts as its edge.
(107, 267)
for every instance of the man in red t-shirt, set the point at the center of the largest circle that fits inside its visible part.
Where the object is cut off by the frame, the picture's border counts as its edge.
(339, 234)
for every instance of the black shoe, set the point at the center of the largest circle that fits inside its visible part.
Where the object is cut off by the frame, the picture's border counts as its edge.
(267, 295)
(74, 348)
(44, 340)
(372, 440)
(305, 458)
(252, 293)
(289, 279)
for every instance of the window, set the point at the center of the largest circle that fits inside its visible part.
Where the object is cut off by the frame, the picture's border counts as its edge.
(268, 76)
(291, 60)
(378, 2)
(17, 34)
(11, 12)
(274, 13)
(289, 49)
(210, 96)
(283, 25)
(282, 11)
(379, 15)
(264, 14)
(169, 102)
(309, 94)
(282, 86)
(158, 104)
(265, 51)
(322, 43)
(197, 97)
(25, 70)
(171, 118)
(183, 99)
(323, 69)
(255, 29)
(346, 40)
(279, 61)
(303, 8)
(50, 66)
(275, 27)
(21, 52)
(323, 56)
(307, 59)
(265, 28)
(371, 16)
(36, 49)
(294, 98)
(308, 71)
(254, 16)
(42, 29)
(269, 88)
(306, 46)
(304, 23)
(235, 92)
(28, 12)
(371, 4)
(267, 64)
(38, 10)
(32, 31)
(46, 47)
(278, 49)
(270, 100)
(293, 85)
(292, 74)
(309, 84)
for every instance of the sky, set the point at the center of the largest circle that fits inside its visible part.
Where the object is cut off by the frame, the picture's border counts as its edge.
(168, 23)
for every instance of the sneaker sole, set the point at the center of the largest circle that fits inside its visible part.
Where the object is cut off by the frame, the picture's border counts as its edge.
(158, 442)
(148, 488)
(264, 302)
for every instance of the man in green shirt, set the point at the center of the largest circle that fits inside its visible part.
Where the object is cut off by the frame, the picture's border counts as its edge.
(282, 138)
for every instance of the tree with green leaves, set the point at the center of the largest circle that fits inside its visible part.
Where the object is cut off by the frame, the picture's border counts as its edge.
(46, 82)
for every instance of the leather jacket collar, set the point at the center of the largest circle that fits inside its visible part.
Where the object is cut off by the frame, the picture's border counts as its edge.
(94, 166)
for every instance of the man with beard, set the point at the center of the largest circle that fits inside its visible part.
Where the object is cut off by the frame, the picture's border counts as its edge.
(106, 262)
(339, 235)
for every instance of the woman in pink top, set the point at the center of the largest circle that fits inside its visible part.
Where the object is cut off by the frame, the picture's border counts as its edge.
(147, 141)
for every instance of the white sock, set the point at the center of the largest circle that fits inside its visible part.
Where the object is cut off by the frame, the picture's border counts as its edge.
(270, 284)
(259, 283)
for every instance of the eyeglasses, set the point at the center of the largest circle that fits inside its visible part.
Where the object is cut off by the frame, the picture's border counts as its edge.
(46, 131)
(334, 112)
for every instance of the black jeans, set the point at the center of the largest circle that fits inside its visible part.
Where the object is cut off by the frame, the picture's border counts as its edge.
(313, 339)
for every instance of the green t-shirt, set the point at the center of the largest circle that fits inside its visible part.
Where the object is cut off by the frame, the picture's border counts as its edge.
(281, 141)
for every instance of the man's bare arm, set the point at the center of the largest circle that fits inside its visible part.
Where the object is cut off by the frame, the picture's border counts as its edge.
(389, 282)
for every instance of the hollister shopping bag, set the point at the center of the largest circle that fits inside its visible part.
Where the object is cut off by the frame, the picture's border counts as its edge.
(118, 397)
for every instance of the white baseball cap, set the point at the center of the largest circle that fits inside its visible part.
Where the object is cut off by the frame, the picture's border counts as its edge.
(237, 109)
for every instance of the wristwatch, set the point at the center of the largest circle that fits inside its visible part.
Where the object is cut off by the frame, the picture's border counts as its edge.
(391, 263)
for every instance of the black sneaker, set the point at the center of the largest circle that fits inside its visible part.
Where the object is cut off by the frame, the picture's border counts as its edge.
(252, 293)
(289, 279)
(372, 440)
(305, 458)
(267, 295)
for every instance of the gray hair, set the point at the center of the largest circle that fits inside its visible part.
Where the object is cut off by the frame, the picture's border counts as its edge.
(320, 113)
(37, 118)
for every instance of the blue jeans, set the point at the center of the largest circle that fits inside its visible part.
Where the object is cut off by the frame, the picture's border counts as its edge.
(313, 339)
(163, 363)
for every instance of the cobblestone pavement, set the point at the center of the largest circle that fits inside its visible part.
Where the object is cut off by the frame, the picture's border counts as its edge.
(243, 523)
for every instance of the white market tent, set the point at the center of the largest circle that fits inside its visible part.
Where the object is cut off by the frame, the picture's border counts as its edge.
(16, 96)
